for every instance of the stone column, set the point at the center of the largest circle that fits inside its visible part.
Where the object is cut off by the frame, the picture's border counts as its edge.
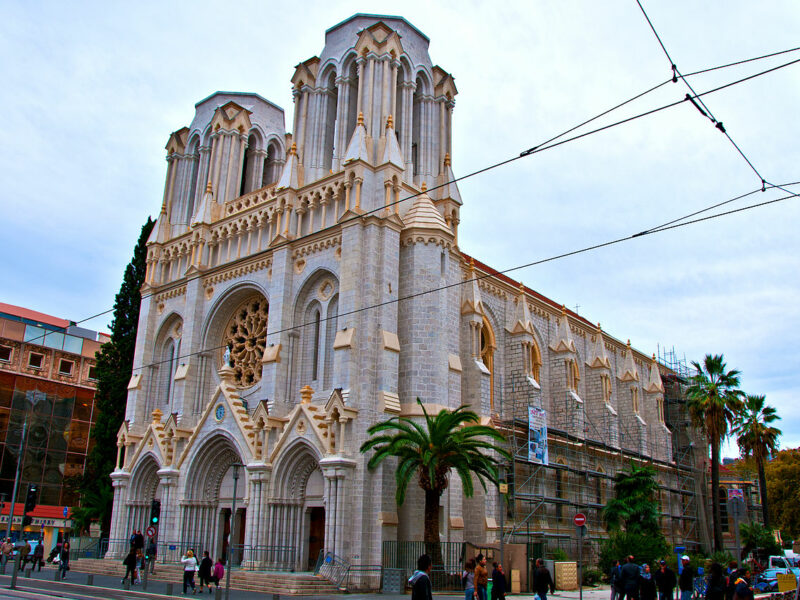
(118, 533)
(169, 527)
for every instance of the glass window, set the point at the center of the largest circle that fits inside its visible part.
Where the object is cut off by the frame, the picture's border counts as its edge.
(14, 434)
(38, 431)
(92, 373)
(65, 367)
(69, 497)
(59, 434)
(83, 406)
(73, 344)
(62, 405)
(54, 467)
(74, 464)
(33, 464)
(5, 354)
(6, 391)
(35, 360)
(9, 467)
(50, 494)
(78, 436)
(4, 421)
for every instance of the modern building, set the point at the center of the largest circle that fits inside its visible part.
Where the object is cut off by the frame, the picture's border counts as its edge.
(47, 386)
(303, 286)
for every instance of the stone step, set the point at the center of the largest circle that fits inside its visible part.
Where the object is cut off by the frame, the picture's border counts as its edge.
(268, 582)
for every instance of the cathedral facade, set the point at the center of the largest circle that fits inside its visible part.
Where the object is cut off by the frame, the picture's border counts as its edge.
(303, 286)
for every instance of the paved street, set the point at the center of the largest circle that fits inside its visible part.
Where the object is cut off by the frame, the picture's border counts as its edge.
(42, 585)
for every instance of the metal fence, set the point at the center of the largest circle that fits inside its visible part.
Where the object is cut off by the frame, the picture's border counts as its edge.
(447, 556)
(332, 567)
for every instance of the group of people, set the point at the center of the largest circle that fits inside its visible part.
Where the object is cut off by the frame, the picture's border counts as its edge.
(207, 571)
(630, 581)
(35, 555)
(137, 561)
(474, 578)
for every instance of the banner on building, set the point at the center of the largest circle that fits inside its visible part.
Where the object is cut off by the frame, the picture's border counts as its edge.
(537, 435)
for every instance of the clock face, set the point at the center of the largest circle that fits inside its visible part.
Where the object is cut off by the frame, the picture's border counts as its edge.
(219, 412)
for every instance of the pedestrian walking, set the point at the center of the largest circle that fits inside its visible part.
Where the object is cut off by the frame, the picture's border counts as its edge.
(715, 586)
(647, 585)
(63, 563)
(666, 581)
(219, 572)
(420, 581)
(468, 579)
(204, 574)
(498, 582)
(629, 579)
(189, 566)
(614, 580)
(6, 550)
(686, 579)
(24, 552)
(733, 575)
(481, 577)
(38, 556)
(130, 566)
(543, 580)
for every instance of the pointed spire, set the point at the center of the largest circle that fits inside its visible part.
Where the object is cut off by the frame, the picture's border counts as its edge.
(203, 213)
(391, 151)
(471, 303)
(629, 372)
(358, 148)
(161, 232)
(447, 182)
(654, 384)
(522, 314)
(292, 176)
(563, 341)
(423, 214)
(598, 359)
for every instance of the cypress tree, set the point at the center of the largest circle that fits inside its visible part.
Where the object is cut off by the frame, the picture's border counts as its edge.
(114, 366)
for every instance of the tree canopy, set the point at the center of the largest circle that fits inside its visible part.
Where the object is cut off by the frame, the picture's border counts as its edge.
(114, 366)
(783, 486)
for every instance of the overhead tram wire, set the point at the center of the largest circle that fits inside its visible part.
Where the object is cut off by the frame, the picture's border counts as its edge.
(708, 114)
(538, 148)
(523, 154)
(494, 273)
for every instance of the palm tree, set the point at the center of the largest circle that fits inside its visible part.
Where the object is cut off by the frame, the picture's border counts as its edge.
(757, 438)
(634, 506)
(714, 399)
(451, 440)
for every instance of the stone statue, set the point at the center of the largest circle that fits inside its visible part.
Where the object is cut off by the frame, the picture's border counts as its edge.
(226, 357)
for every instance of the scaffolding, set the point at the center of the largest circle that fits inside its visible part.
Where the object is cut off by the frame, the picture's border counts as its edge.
(586, 449)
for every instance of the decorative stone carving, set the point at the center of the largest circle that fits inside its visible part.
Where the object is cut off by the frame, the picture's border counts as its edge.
(246, 334)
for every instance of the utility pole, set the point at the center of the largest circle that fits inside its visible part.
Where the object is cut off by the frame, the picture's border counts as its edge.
(16, 477)
(233, 531)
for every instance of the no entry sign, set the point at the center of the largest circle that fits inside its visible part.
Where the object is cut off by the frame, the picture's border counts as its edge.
(579, 520)
(151, 531)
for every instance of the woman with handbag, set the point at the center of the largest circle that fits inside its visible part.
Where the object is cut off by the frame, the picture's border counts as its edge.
(189, 567)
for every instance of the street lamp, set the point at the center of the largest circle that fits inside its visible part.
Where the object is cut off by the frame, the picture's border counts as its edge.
(236, 467)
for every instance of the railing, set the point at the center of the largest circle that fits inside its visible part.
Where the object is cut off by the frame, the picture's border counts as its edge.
(263, 558)
(331, 567)
(447, 556)
(172, 552)
(363, 578)
(96, 549)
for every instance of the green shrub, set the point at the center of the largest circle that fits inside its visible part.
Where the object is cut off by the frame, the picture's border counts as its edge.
(592, 576)
(645, 548)
(559, 554)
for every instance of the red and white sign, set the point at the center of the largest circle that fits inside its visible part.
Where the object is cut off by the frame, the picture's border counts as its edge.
(151, 531)
(579, 520)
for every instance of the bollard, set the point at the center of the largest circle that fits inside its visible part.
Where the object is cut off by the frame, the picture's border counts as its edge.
(276, 597)
(3, 566)
(144, 576)
(28, 573)
(14, 572)
(169, 589)
(57, 574)
(90, 579)
(218, 594)
(127, 584)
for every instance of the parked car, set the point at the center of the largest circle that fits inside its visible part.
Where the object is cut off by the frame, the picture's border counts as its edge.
(763, 584)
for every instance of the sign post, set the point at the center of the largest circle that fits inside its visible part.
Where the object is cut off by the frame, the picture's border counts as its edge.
(580, 524)
(737, 509)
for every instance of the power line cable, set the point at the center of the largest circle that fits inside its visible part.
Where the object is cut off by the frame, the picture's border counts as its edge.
(494, 273)
(548, 144)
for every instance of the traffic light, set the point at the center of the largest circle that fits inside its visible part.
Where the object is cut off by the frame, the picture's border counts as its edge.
(30, 499)
(155, 512)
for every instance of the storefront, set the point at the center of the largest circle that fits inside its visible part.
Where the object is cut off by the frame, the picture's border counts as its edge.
(49, 524)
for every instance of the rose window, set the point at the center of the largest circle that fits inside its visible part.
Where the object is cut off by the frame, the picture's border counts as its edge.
(246, 336)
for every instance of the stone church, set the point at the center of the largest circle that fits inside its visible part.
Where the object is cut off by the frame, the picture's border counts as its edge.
(303, 286)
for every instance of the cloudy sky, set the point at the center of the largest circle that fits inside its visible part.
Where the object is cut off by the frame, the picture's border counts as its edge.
(92, 91)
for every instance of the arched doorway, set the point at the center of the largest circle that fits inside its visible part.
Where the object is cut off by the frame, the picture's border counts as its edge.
(296, 511)
(207, 518)
(143, 490)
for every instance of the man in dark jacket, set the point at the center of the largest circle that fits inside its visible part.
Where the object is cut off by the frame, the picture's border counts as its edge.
(542, 580)
(665, 581)
(420, 582)
(613, 579)
(629, 578)
(686, 579)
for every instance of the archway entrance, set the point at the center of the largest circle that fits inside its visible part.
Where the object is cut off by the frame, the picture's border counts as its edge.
(296, 511)
(206, 521)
